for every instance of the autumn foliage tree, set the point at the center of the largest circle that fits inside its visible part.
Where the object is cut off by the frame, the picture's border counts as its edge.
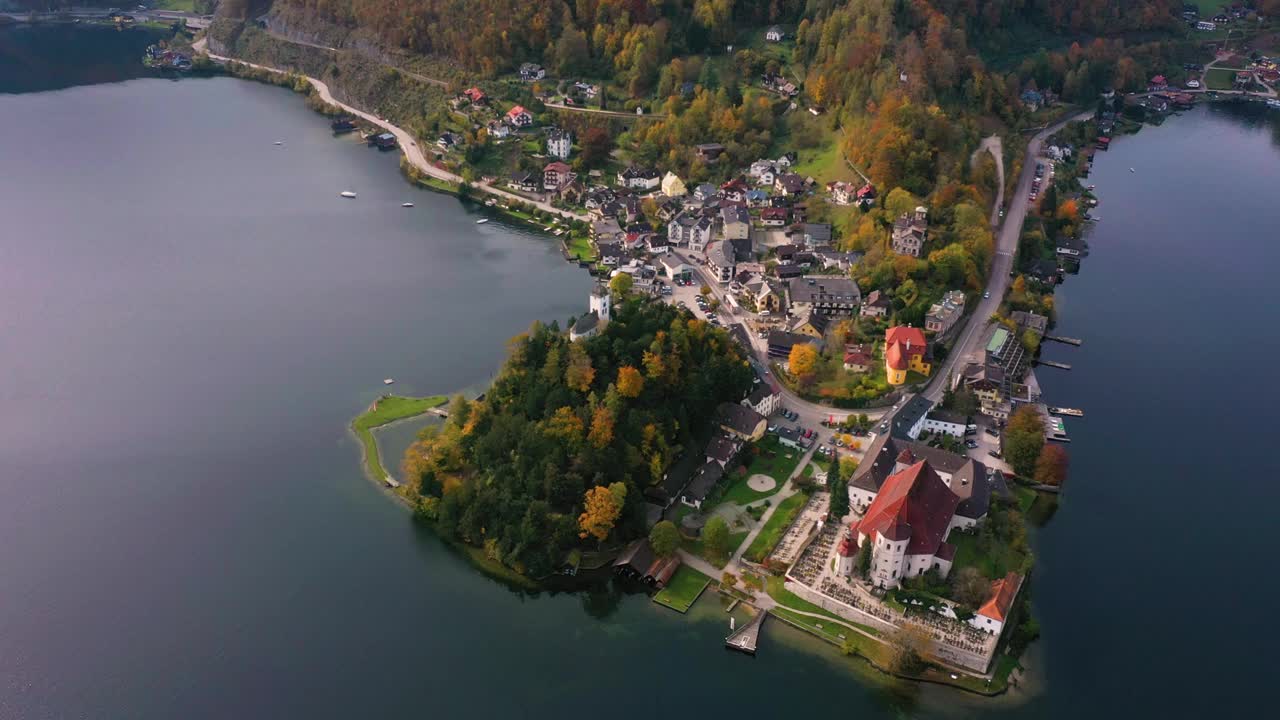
(1023, 440)
(630, 381)
(1051, 466)
(602, 505)
(803, 361)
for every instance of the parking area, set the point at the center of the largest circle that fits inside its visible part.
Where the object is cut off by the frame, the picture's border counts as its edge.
(987, 444)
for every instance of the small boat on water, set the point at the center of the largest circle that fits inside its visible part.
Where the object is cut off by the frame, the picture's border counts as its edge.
(279, 142)
(347, 194)
(406, 204)
(388, 381)
(482, 221)
(1132, 170)
(489, 202)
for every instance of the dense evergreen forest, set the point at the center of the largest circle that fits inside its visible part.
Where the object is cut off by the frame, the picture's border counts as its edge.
(560, 450)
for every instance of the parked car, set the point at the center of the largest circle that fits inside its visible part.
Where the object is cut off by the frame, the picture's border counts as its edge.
(971, 444)
(992, 432)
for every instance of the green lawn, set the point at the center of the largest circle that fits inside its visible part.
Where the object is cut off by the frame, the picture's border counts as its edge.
(580, 247)
(993, 565)
(388, 410)
(1220, 78)
(685, 587)
(179, 5)
(1026, 497)
(837, 635)
(773, 530)
(778, 467)
(824, 164)
(739, 493)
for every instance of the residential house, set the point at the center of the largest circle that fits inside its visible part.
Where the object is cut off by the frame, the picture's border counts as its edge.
(448, 140)
(690, 230)
(995, 612)
(657, 244)
(519, 117)
(945, 422)
(572, 193)
(774, 34)
(866, 196)
(789, 271)
(673, 186)
(498, 129)
(987, 383)
(720, 261)
(762, 171)
(1037, 324)
(766, 297)
(757, 198)
(877, 305)
(740, 422)
(709, 152)
(910, 233)
(525, 182)
(824, 295)
(560, 144)
(858, 358)
(817, 234)
(1032, 98)
(773, 217)
(842, 193)
(606, 231)
(736, 222)
(704, 192)
(476, 96)
(722, 448)
(786, 160)
(734, 191)
(812, 324)
(555, 175)
(531, 71)
(780, 343)
(703, 482)
(905, 350)
(944, 314)
(764, 399)
(789, 185)
(843, 261)
(639, 178)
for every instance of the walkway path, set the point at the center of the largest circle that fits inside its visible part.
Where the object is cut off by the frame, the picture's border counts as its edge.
(994, 146)
(408, 144)
(609, 113)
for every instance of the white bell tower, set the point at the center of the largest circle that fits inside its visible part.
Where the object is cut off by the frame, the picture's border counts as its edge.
(600, 303)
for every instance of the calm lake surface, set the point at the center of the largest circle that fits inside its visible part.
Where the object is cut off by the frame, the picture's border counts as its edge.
(190, 316)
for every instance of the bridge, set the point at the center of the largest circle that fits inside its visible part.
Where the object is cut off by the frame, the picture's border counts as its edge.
(745, 638)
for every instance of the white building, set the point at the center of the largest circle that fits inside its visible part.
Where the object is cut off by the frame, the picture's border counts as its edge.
(941, 421)
(691, 230)
(560, 144)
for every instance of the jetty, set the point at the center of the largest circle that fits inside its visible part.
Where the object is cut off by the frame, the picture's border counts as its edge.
(1073, 412)
(1066, 340)
(1054, 364)
(745, 638)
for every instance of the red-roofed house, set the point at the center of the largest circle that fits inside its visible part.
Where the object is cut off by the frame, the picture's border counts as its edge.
(905, 348)
(519, 117)
(556, 175)
(475, 95)
(906, 525)
(995, 611)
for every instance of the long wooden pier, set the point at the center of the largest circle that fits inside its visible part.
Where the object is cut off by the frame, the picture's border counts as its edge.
(745, 638)
(1068, 340)
(1054, 364)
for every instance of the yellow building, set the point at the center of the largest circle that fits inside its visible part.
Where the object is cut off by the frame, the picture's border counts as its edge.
(905, 350)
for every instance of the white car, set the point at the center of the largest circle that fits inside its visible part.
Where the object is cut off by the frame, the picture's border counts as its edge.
(986, 295)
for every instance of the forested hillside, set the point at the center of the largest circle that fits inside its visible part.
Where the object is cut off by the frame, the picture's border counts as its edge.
(565, 421)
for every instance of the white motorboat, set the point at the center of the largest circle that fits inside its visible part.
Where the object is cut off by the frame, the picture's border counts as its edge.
(406, 205)
(482, 221)
(347, 194)
(388, 381)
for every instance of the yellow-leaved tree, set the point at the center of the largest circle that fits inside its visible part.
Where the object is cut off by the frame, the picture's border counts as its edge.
(630, 381)
(603, 505)
(803, 361)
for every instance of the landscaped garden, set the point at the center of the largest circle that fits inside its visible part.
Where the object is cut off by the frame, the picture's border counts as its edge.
(775, 527)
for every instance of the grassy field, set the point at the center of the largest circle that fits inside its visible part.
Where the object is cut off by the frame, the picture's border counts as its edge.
(994, 565)
(1026, 497)
(739, 493)
(1219, 79)
(580, 247)
(387, 410)
(773, 530)
(685, 587)
(180, 5)
(779, 466)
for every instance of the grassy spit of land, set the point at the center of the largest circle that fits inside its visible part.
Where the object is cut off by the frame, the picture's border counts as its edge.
(384, 411)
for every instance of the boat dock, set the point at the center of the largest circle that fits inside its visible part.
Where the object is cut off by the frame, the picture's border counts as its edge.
(745, 638)
(1054, 364)
(1073, 412)
(1068, 340)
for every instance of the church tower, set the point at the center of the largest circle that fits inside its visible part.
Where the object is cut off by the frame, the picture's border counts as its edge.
(601, 303)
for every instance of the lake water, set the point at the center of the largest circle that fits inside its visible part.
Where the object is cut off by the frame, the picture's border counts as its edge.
(190, 316)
